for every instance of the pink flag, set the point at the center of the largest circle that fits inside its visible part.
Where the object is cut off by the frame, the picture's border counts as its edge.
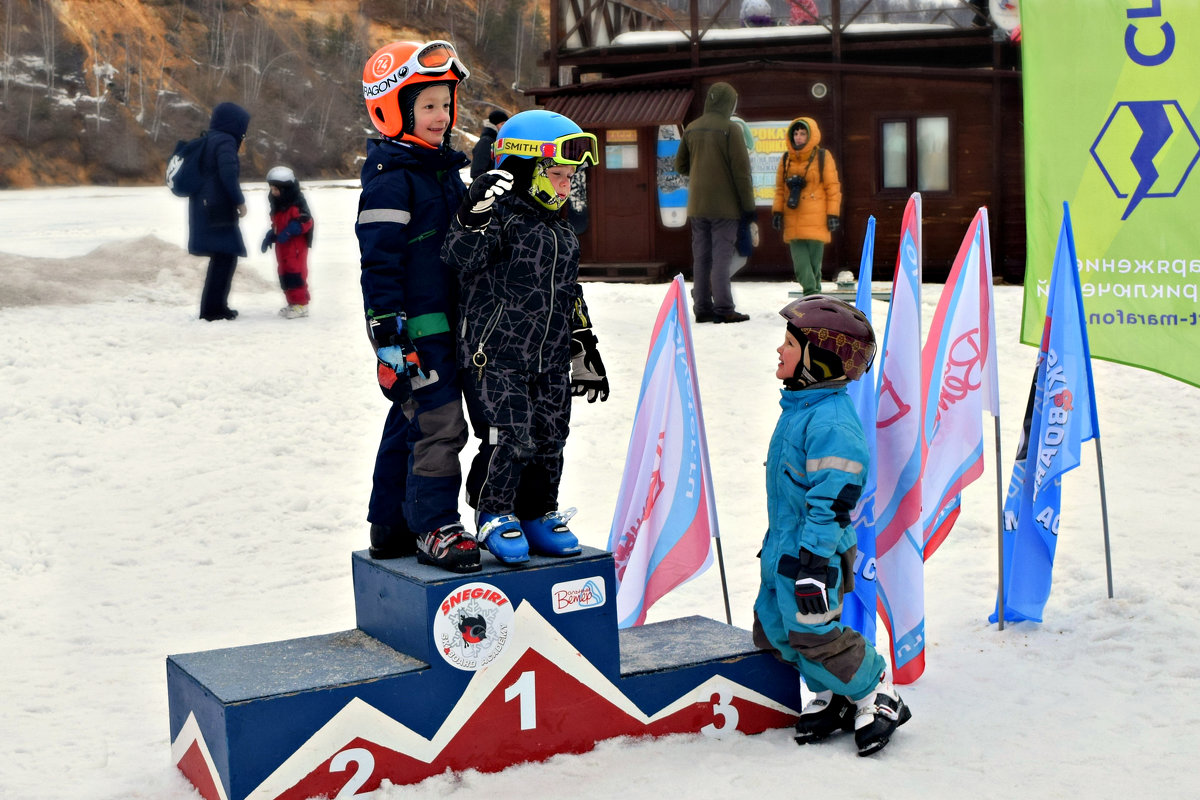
(959, 367)
(665, 515)
(898, 538)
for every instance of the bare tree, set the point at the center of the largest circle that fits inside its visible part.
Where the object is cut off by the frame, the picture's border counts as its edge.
(97, 71)
(8, 52)
(47, 27)
(260, 59)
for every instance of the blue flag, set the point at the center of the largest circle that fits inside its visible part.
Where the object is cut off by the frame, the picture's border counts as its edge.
(1061, 417)
(859, 611)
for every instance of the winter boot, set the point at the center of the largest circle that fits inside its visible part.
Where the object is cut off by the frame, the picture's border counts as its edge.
(392, 541)
(877, 716)
(449, 547)
(503, 537)
(825, 715)
(293, 311)
(549, 535)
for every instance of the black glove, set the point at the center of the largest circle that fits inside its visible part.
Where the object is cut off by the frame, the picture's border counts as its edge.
(777, 221)
(476, 208)
(268, 240)
(587, 370)
(833, 223)
(811, 580)
(293, 229)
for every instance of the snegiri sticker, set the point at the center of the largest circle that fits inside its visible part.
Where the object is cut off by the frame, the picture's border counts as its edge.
(471, 627)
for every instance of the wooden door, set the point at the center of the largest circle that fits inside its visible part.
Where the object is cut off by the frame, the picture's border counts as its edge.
(623, 209)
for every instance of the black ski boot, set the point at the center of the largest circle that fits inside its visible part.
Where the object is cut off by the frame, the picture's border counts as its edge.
(392, 541)
(449, 547)
(877, 717)
(825, 715)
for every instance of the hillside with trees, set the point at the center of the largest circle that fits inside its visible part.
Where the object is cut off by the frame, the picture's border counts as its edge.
(98, 92)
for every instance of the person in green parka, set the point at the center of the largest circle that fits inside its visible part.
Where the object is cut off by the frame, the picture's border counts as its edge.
(714, 157)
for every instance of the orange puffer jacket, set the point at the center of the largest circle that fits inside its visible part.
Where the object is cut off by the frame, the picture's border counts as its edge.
(821, 196)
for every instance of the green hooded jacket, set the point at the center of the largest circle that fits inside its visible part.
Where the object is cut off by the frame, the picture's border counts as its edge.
(714, 157)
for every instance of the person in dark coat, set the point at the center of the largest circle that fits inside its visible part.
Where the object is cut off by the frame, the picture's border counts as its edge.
(481, 155)
(213, 212)
(714, 157)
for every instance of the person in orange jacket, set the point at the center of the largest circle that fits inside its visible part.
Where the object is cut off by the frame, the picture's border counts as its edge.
(808, 201)
(291, 234)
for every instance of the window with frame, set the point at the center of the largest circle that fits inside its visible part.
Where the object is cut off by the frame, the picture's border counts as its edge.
(914, 154)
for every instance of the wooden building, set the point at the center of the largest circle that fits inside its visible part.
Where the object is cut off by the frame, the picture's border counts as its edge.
(931, 106)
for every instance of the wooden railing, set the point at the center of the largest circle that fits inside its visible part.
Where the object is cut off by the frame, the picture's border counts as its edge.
(595, 23)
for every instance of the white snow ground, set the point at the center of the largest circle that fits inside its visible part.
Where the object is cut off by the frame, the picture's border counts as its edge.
(169, 485)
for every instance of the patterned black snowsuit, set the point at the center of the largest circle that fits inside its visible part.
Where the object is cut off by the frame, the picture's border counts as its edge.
(520, 299)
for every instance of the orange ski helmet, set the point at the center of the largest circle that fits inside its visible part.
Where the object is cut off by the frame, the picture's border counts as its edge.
(396, 73)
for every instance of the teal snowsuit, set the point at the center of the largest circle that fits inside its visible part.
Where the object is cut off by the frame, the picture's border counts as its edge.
(816, 467)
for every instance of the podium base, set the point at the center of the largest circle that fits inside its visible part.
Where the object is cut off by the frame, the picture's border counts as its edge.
(510, 666)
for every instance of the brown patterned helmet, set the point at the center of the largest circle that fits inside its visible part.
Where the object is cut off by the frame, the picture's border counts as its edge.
(835, 326)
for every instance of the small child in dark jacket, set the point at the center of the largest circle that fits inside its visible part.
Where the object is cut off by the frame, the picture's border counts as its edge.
(410, 191)
(525, 337)
(291, 233)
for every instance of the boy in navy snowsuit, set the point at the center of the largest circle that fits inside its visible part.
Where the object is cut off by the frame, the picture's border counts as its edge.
(525, 340)
(816, 466)
(410, 190)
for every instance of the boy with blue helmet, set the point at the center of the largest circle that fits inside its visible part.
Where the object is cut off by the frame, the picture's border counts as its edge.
(526, 344)
(410, 190)
(816, 466)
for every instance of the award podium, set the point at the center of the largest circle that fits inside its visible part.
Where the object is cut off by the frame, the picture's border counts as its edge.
(455, 672)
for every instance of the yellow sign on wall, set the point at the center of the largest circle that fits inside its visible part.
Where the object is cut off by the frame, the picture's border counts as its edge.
(621, 135)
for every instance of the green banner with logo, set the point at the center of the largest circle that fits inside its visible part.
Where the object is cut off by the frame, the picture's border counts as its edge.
(1112, 126)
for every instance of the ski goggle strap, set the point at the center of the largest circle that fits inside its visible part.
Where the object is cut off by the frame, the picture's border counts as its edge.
(574, 149)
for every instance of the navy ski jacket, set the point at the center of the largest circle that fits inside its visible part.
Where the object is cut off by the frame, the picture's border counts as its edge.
(409, 195)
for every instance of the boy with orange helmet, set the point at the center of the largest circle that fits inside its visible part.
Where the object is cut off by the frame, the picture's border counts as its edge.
(410, 190)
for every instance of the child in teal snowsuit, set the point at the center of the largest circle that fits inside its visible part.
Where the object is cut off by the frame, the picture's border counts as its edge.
(816, 466)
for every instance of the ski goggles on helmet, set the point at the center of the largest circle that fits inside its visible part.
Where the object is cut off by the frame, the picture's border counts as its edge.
(437, 58)
(574, 149)
(433, 59)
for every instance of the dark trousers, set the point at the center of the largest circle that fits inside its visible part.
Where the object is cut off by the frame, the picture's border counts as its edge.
(214, 300)
(417, 474)
(713, 249)
(522, 420)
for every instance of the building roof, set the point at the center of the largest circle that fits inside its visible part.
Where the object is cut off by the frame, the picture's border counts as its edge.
(624, 108)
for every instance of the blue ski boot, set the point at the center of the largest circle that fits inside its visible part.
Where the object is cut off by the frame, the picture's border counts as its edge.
(549, 535)
(503, 537)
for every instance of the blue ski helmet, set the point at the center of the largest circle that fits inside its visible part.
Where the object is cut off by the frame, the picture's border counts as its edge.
(547, 139)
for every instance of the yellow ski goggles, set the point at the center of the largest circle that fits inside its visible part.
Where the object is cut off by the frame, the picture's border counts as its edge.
(574, 149)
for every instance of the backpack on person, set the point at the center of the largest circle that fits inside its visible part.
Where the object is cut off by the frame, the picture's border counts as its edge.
(184, 175)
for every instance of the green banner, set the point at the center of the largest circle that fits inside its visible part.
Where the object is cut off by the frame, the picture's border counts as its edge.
(1112, 126)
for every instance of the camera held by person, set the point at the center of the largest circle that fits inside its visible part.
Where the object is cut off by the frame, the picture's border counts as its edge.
(795, 184)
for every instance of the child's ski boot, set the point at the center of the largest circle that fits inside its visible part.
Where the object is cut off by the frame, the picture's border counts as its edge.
(549, 535)
(825, 715)
(503, 537)
(878, 716)
(449, 547)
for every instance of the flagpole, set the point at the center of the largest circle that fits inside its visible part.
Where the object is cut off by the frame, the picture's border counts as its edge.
(999, 523)
(725, 586)
(1104, 513)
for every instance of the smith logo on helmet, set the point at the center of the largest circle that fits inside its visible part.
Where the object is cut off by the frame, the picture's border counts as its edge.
(512, 147)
